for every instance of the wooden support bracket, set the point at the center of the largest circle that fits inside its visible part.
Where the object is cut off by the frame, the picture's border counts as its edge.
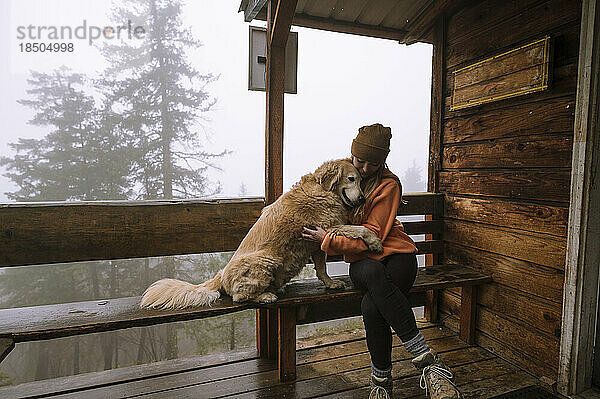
(267, 333)
(468, 309)
(431, 307)
(6, 346)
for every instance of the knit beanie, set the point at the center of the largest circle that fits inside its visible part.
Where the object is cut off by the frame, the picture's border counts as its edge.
(372, 143)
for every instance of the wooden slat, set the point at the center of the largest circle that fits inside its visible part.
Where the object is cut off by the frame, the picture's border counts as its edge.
(516, 72)
(346, 375)
(40, 233)
(550, 185)
(429, 247)
(440, 276)
(483, 14)
(518, 337)
(510, 272)
(526, 152)
(516, 215)
(88, 382)
(52, 321)
(65, 232)
(545, 18)
(538, 314)
(62, 320)
(346, 307)
(565, 46)
(532, 247)
(556, 115)
(535, 312)
(421, 204)
(564, 83)
(335, 370)
(522, 82)
(501, 65)
(429, 227)
(532, 365)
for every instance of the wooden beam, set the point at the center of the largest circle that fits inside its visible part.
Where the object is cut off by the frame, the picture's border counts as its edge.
(437, 104)
(280, 27)
(280, 15)
(253, 8)
(580, 300)
(424, 22)
(6, 346)
(419, 29)
(353, 28)
(286, 359)
(38, 233)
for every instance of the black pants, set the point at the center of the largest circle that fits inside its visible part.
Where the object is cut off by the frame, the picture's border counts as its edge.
(386, 284)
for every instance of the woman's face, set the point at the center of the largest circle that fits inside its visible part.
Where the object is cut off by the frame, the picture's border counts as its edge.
(365, 168)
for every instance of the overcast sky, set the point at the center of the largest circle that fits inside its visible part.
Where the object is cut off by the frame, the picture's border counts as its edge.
(344, 82)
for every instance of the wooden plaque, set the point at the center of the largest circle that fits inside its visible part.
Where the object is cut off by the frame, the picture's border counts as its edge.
(517, 72)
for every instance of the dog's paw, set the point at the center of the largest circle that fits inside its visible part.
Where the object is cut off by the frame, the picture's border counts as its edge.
(374, 244)
(266, 297)
(336, 285)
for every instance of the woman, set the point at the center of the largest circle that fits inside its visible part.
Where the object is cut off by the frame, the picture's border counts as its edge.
(385, 277)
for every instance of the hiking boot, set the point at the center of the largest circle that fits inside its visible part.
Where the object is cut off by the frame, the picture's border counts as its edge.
(436, 377)
(381, 389)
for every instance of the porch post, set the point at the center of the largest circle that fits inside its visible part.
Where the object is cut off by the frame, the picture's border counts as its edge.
(279, 20)
(580, 295)
(435, 147)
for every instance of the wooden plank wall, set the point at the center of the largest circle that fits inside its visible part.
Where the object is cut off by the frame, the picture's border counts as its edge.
(505, 167)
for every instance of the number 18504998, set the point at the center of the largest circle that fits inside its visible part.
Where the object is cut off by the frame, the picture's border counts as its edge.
(46, 47)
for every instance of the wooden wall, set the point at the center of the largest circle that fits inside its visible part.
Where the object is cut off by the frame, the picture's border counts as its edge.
(505, 167)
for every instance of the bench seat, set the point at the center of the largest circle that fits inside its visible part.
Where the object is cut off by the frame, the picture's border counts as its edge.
(304, 301)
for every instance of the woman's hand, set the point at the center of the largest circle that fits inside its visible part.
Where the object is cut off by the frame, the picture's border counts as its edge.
(315, 234)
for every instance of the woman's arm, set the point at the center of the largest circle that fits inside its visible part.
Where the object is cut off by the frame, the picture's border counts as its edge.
(379, 220)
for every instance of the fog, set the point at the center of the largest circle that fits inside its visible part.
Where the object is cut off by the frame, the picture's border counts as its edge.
(344, 82)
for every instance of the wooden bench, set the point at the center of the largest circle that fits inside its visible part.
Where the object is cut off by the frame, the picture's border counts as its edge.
(304, 301)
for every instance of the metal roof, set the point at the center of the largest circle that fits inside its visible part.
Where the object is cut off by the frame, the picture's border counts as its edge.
(404, 20)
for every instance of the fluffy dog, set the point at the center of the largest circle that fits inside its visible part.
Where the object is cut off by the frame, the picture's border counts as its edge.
(273, 251)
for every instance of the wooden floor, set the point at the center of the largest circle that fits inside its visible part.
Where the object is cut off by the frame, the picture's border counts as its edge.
(336, 366)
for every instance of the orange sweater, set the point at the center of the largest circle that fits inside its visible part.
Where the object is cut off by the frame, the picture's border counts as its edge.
(379, 217)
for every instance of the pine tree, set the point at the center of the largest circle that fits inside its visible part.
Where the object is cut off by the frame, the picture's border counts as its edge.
(77, 159)
(412, 180)
(162, 100)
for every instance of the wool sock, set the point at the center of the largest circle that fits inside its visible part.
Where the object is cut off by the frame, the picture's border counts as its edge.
(381, 375)
(416, 346)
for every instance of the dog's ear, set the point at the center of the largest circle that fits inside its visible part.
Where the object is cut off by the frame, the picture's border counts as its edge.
(328, 175)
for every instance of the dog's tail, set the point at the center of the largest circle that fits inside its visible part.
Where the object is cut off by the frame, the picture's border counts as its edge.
(169, 293)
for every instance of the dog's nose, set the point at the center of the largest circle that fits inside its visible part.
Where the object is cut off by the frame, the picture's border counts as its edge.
(361, 199)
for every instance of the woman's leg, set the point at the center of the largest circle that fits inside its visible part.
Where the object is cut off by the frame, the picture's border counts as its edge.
(387, 284)
(379, 337)
(385, 303)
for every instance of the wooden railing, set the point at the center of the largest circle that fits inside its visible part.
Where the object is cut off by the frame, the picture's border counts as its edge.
(45, 233)
(42, 233)
(53, 232)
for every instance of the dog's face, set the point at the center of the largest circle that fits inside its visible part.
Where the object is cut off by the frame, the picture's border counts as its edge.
(342, 178)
